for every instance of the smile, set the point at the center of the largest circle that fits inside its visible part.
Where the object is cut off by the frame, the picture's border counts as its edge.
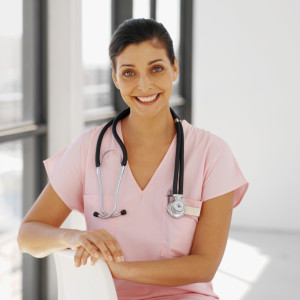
(148, 99)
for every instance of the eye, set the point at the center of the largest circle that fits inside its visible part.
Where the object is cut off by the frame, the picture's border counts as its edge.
(157, 69)
(128, 73)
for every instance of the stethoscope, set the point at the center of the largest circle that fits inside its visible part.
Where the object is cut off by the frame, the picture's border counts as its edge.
(175, 208)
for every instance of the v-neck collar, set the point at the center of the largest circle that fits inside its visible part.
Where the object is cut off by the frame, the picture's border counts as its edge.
(156, 173)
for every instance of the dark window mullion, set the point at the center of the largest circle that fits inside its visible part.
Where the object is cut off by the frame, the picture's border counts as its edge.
(33, 135)
(121, 11)
(153, 9)
(186, 33)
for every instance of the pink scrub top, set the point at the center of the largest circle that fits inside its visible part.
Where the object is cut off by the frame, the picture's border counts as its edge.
(147, 232)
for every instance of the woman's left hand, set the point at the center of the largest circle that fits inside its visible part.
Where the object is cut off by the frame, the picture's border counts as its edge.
(116, 268)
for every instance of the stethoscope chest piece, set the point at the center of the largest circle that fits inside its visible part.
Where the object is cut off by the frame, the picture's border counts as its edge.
(176, 208)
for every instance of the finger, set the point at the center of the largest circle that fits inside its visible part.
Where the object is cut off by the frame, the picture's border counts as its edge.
(107, 245)
(78, 255)
(85, 257)
(95, 259)
(90, 247)
(103, 248)
(115, 249)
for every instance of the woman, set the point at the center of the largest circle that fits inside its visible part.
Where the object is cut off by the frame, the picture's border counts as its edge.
(150, 253)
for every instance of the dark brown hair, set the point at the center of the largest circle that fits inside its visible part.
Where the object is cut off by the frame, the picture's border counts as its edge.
(135, 31)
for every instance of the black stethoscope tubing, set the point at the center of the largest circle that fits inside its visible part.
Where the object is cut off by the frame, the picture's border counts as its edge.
(179, 156)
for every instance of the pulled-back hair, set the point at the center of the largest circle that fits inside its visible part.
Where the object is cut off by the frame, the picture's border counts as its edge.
(135, 31)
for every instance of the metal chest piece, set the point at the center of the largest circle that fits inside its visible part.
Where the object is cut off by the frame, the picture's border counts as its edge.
(176, 208)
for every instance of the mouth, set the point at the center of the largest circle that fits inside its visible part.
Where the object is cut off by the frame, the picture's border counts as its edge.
(148, 99)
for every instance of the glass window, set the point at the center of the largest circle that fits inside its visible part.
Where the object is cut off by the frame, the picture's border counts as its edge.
(11, 178)
(11, 98)
(141, 9)
(96, 33)
(171, 20)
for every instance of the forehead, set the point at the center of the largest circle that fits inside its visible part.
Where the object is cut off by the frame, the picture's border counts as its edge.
(142, 52)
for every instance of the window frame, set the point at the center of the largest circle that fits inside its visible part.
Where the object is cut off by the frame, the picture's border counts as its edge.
(122, 10)
(32, 133)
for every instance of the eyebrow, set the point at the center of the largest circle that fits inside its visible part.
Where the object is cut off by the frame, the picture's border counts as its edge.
(150, 63)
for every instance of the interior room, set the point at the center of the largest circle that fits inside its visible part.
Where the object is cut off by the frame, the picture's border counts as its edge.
(239, 74)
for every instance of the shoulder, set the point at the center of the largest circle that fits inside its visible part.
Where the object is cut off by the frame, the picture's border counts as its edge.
(198, 138)
(89, 135)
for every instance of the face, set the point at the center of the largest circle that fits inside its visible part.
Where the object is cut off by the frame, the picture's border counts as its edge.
(144, 75)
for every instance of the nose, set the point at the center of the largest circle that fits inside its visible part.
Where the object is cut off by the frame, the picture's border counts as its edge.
(144, 83)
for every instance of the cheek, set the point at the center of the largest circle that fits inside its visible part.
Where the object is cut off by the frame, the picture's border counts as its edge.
(166, 83)
(124, 85)
(125, 89)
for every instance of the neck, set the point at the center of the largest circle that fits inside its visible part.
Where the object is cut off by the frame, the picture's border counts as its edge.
(149, 131)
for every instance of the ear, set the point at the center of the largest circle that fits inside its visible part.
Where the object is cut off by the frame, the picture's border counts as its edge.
(114, 78)
(176, 69)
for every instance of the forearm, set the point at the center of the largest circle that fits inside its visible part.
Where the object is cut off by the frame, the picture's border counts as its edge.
(170, 272)
(39, 239)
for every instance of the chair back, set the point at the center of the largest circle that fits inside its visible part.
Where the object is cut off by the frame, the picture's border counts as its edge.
(85, 282)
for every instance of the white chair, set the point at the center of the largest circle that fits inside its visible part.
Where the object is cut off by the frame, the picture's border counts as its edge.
(85, 282)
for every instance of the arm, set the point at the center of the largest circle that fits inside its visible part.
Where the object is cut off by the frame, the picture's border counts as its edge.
(40, 235)
(206, 253)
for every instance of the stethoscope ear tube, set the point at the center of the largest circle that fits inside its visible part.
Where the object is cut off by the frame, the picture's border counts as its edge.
(99, 141)
(119, 117)
(179, 157)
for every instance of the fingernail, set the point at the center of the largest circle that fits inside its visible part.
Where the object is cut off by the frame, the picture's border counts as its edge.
(118, 259)
(97, 254)
(122, 258)
(110, 258)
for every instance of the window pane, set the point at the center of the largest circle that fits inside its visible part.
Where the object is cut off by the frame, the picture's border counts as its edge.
(141, 9)
(171, 19)
(11, 97)
(11, 172)
(96, 33)
(168, 13)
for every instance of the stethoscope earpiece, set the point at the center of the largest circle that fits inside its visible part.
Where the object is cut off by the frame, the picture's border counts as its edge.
(121, 213)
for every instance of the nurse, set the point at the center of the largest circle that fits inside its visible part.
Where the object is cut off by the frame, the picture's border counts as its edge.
(150, 253)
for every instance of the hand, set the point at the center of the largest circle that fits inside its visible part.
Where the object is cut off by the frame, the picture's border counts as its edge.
(119, 270)
(97, 244)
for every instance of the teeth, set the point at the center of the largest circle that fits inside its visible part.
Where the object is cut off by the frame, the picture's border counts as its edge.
(147, 99)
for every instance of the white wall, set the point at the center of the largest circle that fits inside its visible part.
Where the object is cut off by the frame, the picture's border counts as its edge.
(246, 89)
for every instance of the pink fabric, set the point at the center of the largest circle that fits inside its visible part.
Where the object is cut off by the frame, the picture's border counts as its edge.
(147, 231)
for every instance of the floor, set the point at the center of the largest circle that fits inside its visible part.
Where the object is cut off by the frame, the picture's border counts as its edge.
(260, 266)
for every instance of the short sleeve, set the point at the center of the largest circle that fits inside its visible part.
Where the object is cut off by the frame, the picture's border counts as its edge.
(66, 171)
(223, 175)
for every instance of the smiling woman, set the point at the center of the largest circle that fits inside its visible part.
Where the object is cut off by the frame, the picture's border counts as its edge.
(152, 251)
(144, 74)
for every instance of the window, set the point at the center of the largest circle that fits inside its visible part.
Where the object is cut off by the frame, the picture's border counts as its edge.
(96, 32)
(22, 141)
(11, 189)
(11, 97)
(176, 15)
(11, 160)
(141, 9)
(171, 21)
